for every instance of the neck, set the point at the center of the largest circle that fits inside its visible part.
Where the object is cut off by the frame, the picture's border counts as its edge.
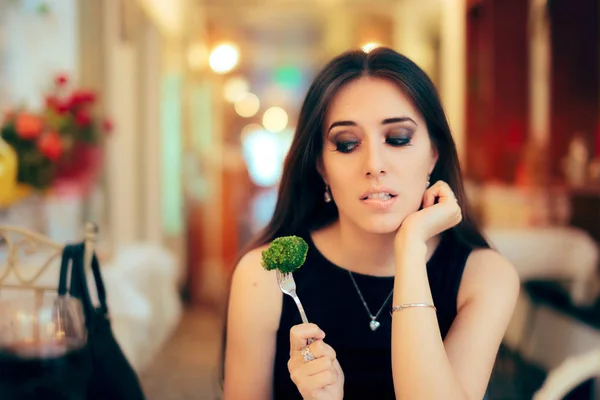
(363, 252)
(356, 250)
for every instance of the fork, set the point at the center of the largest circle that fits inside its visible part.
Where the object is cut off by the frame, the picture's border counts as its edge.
(288, 286)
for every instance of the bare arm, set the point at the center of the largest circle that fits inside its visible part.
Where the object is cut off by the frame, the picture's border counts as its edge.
(252, 322)
(424, 366)
(458, 368)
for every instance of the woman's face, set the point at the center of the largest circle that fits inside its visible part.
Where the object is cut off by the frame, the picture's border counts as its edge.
(377, 155)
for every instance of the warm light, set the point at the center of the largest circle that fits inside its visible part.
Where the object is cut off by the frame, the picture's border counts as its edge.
(247, 105)
(235, 88)
(370, 46)
(196, 56)
(275, 119)
(223, 58)
(249, 129)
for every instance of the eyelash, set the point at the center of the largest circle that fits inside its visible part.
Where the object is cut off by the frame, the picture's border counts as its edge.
(349, 146)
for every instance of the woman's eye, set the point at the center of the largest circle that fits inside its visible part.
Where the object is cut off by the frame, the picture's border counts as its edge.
(345, 147)
(398, 141)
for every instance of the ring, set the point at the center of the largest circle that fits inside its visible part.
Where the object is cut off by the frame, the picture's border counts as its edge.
(307, 354)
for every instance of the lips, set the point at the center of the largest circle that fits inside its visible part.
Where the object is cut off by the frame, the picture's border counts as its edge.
(379, 196)
(380, 193)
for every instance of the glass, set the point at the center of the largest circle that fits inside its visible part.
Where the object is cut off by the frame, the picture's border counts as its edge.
(42, 349)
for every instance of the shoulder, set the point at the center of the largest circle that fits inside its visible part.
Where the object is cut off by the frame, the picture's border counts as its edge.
(490, 277)
(250, 267)
(254, 290)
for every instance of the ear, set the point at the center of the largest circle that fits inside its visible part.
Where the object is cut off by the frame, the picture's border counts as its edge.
(434, 158)
(321, 170)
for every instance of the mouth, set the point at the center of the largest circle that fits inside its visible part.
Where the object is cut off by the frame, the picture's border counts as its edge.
(381, 196)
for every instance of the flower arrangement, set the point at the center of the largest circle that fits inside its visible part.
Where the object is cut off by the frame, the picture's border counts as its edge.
(63, 142)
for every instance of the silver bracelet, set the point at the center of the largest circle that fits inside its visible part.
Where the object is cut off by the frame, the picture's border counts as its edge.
(410, 305)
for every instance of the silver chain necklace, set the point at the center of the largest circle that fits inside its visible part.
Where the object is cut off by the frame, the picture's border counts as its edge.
(374, 324)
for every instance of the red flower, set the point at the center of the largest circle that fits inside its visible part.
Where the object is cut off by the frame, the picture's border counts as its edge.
(107, 125)
(51, 102)
(29, 126)
(61, 80)
(82, 118)
(50, 146)
(63, 108)
(81, 97)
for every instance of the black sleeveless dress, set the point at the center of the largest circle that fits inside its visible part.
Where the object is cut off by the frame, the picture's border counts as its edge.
(332, 302)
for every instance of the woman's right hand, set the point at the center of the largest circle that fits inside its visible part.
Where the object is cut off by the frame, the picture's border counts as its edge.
(321, 378)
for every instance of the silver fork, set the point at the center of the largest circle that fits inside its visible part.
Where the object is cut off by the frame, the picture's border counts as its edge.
(288, 286)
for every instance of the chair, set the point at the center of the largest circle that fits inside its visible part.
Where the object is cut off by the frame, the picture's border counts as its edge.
(140, 281)
(39, 273)
(567, 376)
(563, 254)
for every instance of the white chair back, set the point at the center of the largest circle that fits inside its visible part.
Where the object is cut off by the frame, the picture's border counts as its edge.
(570, 374)
(31, 261)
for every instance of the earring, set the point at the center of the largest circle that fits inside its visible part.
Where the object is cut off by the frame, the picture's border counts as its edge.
(327, 196)
(428, 183)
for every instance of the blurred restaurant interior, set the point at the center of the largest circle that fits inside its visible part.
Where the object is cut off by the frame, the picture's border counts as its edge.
(192, 108)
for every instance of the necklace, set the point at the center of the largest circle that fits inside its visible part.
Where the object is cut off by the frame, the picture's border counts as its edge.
(374, 324)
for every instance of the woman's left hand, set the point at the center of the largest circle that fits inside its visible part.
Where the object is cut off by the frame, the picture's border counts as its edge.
(433, 218)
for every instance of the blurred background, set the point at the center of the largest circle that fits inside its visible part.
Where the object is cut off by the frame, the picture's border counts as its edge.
(166, 122)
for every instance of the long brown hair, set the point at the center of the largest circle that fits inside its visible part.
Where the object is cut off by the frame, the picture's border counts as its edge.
(300, 205)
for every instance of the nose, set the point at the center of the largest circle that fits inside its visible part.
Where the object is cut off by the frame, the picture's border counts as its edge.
(375, 162)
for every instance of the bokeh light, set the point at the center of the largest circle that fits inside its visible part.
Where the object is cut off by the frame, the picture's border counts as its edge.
(275, 119)
(223, 58)
(370, 46)
(236, 87)
(247, 105)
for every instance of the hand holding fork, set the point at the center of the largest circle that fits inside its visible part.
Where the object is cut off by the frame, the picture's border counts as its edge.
(288, 286)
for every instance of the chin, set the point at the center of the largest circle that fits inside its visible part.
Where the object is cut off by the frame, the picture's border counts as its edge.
(383, 224)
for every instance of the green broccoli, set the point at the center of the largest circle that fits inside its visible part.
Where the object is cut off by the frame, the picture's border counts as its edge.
(286, 254)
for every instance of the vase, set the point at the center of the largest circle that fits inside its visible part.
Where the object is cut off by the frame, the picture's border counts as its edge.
(28, 213)
(63, 208)
(8, 173)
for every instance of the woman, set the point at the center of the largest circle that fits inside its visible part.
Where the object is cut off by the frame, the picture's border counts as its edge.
(372, 183)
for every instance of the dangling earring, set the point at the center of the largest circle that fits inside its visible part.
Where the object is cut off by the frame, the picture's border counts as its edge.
(428, 183)
(327, 196)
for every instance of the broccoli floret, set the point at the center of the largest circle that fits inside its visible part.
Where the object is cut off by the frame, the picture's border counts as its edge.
(286, 254)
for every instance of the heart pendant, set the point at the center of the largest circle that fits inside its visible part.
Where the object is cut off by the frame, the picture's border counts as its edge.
(374, 325)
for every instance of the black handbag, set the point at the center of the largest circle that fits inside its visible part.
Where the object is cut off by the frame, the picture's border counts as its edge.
(111, 375)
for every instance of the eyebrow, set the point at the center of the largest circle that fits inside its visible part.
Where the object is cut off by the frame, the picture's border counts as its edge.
(384, 122)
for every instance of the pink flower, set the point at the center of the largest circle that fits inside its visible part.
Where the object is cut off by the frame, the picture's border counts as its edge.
(61, 80)
(107, 126)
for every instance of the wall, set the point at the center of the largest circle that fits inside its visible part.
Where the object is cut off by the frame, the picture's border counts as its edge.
(34, 47)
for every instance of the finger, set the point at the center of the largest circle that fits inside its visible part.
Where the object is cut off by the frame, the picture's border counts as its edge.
(428, 199)
(299, 334)
(440, 190)
(299, 370)
(446, 196)
(319, 350)
(317, 366)
(319, 381)
(302, 375)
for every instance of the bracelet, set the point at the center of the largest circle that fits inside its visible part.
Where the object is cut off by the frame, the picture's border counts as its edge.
(410, 305)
